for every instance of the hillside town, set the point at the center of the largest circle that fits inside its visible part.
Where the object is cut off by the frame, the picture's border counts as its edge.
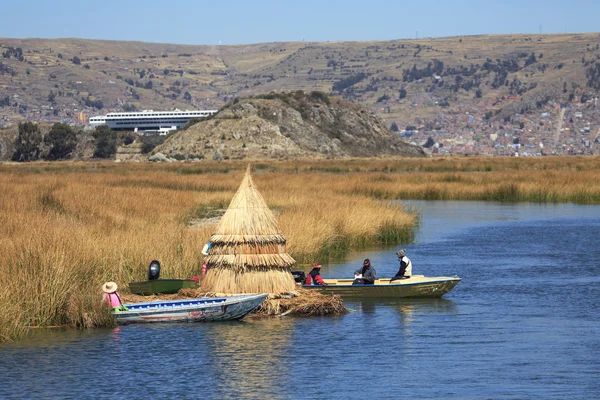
(497, 95)
(555, 129)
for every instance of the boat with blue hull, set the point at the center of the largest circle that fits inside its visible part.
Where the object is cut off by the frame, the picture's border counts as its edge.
(205, 309)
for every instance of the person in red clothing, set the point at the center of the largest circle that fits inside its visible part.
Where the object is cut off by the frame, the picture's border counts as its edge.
(314, 276)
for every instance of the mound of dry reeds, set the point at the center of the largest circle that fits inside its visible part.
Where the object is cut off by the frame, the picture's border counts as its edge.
(305, 303)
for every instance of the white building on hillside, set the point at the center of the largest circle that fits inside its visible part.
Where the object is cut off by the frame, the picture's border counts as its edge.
(148, 120)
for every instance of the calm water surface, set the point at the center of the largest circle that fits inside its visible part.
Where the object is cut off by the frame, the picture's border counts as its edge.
(523, 323)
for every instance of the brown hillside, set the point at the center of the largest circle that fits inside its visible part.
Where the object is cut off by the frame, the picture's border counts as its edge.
(288, 125)
(118, 73)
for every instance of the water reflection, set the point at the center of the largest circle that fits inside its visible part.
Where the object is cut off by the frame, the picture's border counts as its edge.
(248, 358)
(406, 307)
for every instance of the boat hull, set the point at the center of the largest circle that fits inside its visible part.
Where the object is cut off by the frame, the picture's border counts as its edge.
(162, 286)
(192, 310)
(416, 286)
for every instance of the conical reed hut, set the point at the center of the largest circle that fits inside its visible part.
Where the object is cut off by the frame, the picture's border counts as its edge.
(248, 249)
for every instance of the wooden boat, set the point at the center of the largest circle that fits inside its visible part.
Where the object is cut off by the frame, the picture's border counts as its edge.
(162, 286)
(193, 310)
(415, 286)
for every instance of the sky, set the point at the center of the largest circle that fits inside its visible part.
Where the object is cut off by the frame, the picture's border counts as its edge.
(239, 22)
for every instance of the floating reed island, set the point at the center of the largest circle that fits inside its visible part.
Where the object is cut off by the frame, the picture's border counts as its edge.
(248, 255)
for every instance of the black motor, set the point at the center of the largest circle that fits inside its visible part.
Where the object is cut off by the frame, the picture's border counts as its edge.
(153, 270)
(299, 276)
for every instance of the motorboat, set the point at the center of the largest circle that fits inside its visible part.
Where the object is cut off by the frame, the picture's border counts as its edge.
(415, 286)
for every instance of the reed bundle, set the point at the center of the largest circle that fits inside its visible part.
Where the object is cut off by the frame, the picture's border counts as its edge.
(248, 250)
(305, 303)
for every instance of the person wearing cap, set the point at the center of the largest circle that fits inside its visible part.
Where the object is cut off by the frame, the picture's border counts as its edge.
(314, 276)
(365, 275)
(112, 298)
(405, 270)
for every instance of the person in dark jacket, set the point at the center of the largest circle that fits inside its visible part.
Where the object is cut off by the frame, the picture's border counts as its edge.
(365, 275)
(405, 270)
(314, 276)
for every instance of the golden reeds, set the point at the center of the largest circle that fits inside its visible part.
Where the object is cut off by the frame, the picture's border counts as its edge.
(306, 303)
(248, 253)
(66, 228)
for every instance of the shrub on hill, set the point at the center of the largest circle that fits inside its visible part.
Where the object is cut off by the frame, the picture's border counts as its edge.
(593, 75)
(93, 103)
(347, 82)
(62, 140)
(105, 142)
(151, 140)
(27, 144)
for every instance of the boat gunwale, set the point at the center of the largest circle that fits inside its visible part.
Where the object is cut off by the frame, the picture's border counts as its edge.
(200, 301)
(449, 279)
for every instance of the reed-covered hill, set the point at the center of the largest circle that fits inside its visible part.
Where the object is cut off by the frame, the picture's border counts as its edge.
(288, 125)
(52, 79)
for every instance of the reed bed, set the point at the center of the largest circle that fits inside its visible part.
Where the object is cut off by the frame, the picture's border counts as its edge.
(66, 228)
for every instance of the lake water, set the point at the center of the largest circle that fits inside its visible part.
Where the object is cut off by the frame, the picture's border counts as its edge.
(523, 323)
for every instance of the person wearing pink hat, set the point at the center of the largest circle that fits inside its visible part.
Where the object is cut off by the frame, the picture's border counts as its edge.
(314, 276)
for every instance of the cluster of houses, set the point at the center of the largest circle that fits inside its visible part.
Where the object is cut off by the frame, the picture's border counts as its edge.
(555, 129)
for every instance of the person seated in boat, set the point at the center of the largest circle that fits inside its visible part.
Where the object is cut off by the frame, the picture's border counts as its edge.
(405, 270)
(314, 276)
(112, 298)
(365, 275)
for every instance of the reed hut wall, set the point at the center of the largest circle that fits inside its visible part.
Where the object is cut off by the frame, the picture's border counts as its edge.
(248, 250)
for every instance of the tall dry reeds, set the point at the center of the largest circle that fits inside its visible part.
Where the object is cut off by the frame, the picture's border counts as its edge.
(66, 228)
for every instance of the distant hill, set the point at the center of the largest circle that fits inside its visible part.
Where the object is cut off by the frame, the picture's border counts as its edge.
(50, 80)
(287, 126)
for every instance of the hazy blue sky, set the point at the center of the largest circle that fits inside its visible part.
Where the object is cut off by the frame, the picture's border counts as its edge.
(234, 21)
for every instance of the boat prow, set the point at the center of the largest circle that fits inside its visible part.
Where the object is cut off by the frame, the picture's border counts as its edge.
(203, 309)
(415, 286)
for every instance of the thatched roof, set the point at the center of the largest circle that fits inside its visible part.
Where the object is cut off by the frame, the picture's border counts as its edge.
(248, 253)
(248, 218)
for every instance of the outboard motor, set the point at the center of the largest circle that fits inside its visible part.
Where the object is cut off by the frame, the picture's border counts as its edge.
(299, 276)
(153, 270)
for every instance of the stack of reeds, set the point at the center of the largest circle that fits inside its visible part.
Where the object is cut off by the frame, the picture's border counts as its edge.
(305, 303)
(248, 250)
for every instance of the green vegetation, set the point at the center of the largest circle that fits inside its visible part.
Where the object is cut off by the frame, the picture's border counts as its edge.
(27, 144)
(105, 142)
(62, 140)
(150, 141)
(346, 83)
